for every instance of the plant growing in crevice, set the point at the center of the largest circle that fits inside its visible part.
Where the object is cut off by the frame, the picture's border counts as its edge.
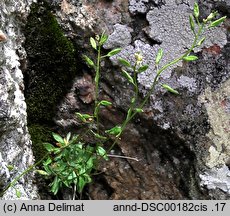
(71, 161)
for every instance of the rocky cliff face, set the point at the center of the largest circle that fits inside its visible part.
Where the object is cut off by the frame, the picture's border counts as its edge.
(182, 142)
(15, 144)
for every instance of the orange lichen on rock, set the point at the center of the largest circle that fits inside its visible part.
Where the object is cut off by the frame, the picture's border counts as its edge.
(214, 50)
(2, 36)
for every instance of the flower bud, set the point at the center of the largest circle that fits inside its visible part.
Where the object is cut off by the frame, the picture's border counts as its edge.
(211, 16)
(97, 37)
(138, 57)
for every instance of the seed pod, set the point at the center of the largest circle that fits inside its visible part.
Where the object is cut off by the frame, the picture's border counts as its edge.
(196, 10)
(113, 52)
(190, 58)
(159, 56)
(201, 41)
(191, 23)
(170, 89)
(93, 43)
(217, 22)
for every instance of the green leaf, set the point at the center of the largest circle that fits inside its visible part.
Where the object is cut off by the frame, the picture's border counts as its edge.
(67, 183)
(49, 147)
(82, 169)
(217, 22)
(114, 131)
(98, 136)
(124, 62)
(47, 161)
(58, 138)
(201, 41)
(96, 110)
(79, 145)
(47, 169)
(42, 172)
(100, 151)
(196, 11)
(87, 116)
(89, 61)
(138, 110)
(93, 43)
(81, 183)
(190, 58)
(113, 52)
(192, 25)
(18, 193)
(90, 163)
(143, 68)
(90, 150)
(87, 178)
(10, 167)
(129, 113)
(103, 39)
(105, 103)
(55, 185)
(210, 16)
(159, 56)
(79, 115)
(127, 76)
(57, 150)
(170, 89)
(74, 139)
(84, 117)
(68, 136)
(72, 176)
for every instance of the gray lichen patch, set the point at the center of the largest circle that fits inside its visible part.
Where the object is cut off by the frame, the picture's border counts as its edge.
(15, 144)
(219, 118)
(138, 6)
(79, 15)
(169, 25)
(217, 178)
(120, 37)
(92, 16)
(189, 83)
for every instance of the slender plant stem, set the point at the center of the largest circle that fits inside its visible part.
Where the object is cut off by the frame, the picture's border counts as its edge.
(11, 184)
(97, 78)
(125, 157)
(74, 191)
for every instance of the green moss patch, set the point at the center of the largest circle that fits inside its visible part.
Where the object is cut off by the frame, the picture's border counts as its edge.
(39, 135)
(50, 70)
(51, 64)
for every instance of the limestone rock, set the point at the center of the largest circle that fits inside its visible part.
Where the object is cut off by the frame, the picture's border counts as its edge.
(181, 142)
(15, 144)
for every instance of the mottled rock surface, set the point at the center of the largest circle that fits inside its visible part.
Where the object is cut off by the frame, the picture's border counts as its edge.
(15, 144)
(181, 142)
